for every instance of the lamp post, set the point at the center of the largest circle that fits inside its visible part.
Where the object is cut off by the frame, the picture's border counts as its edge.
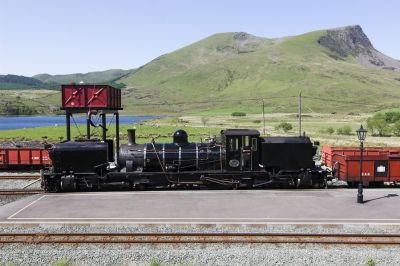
(361, 134)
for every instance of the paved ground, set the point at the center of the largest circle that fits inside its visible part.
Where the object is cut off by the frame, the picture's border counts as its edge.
(382, 206)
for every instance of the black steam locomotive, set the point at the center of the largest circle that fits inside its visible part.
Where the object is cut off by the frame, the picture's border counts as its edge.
(240, 158)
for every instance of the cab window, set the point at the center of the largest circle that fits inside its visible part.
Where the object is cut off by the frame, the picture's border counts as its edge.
(254, 144)
(246, 141)
(233, 144)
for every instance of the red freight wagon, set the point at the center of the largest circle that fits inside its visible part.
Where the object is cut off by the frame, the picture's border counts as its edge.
(23, 157)
(377, 169)
(329, 151)
(79, 96)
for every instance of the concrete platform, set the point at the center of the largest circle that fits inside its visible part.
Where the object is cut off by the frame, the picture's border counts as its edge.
(338, 206)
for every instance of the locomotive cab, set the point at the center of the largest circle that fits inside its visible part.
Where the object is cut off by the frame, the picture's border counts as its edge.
(242, 149)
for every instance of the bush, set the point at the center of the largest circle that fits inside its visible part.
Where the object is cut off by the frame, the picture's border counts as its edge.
(62, 262)
(392, 117)
(344, 130)
(204, 120)
(238, 114)
(371, 262)
(284, 126)
(256, 121)
(155, 262)
(378, 123)
(330, 130)
(396, 129)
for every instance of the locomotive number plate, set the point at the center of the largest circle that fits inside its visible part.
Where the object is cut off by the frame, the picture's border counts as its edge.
(234, 163)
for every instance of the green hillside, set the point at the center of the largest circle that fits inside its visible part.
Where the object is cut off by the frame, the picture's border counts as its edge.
(106, 76)
(336, 70)
(18, 82)
(20, 95)
(233, 71)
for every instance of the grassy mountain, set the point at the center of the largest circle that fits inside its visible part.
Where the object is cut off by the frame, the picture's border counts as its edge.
(335, 70)
(18, 82)
(20, 95)
(106, 76)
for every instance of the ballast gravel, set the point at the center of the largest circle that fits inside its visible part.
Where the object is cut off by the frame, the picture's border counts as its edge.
(198, 254)
(10, 184)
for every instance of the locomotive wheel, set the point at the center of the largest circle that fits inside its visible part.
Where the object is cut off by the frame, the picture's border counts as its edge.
(52, 188)
(141, 187)
(67, 187)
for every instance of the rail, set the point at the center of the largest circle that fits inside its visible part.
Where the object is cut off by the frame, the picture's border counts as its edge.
(19, 177)
(205, 238)
(20, 192)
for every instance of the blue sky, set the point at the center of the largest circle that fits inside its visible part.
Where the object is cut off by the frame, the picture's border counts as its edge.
(60, 36)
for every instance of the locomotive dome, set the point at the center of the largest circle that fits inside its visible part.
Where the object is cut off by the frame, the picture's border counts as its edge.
(180, 137)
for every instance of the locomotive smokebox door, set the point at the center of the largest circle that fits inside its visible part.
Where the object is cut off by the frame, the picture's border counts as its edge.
(241, 149)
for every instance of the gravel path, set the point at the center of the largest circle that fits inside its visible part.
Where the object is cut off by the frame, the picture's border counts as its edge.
(195, 254)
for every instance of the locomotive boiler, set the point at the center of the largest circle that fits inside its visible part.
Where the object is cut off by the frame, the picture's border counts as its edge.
(180, 155)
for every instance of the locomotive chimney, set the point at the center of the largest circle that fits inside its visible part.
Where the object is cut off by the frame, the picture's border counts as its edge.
(131, 136)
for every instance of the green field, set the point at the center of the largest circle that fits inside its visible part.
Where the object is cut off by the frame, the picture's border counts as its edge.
(144, 133)
(315, 125)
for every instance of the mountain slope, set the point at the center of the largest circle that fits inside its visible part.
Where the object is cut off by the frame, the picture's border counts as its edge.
(18, 82)
(91, 77)
(225, 71)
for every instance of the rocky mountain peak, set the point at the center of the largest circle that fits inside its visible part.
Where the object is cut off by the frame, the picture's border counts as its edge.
(352, 40)
(347, 40)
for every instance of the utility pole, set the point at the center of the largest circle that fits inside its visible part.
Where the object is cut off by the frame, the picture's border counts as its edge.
(263, 113)
(299, 114)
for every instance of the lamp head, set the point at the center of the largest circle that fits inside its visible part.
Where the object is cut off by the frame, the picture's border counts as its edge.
(361, 133)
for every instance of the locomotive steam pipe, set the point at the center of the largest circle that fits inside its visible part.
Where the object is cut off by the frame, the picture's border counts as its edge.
(104, 124)
(68, 126)
(88, 127)
(131, 136)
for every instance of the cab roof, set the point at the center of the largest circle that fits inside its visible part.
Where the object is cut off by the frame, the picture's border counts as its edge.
(241, 132)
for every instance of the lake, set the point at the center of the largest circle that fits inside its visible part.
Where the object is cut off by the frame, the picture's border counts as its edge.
(15, 122)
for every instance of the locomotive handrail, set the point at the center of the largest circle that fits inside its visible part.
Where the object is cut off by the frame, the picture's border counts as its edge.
(159, 161)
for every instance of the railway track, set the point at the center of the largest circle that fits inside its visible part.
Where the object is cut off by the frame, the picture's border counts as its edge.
(198, 238)
(21, 192)
(19, 177)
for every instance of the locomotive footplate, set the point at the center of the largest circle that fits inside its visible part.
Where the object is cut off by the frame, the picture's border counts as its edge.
(187, 179)
(245, 179)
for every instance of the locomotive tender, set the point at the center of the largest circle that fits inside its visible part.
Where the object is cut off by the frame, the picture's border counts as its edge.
(239, 159)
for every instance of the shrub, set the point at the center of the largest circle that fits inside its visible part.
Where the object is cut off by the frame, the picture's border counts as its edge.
(155, 262)
(62, 262)
(378, 123)
(330, 130)
(371, 262)
(392, 117)
(204, 120)
(284, 126)
(238, 114)
(256, 121)
(344, 130)
(396, 129)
